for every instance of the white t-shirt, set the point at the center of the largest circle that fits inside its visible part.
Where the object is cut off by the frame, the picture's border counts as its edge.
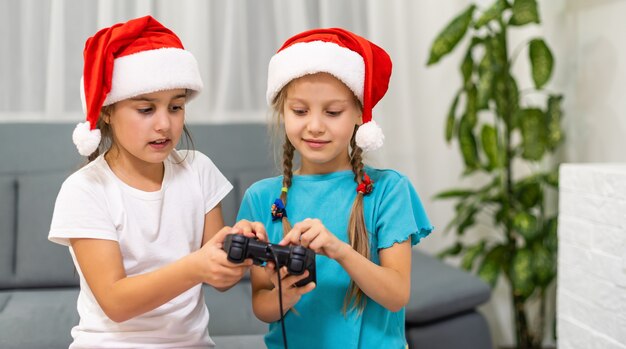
(153, 229)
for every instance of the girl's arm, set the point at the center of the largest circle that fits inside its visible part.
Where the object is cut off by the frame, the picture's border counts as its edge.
(213, 222)
(122, 297)
(265, 291)
(388, 284)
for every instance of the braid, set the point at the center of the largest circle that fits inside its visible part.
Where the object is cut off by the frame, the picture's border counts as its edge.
(357, 232)
(288, 151)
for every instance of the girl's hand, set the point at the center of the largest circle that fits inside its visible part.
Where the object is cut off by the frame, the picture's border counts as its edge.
(291, 293)
(252, 229)
(215, 269)
(313, 234)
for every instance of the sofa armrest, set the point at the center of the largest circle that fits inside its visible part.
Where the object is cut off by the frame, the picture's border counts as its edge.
(439, 290)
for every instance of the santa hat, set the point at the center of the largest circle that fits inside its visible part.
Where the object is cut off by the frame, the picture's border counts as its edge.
(126, 60)
(364, 67)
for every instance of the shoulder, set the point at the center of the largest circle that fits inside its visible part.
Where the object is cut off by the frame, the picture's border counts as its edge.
(93, 182)
(196, 162)
(191, 158)
(272, 184)
(385, 176)
(88, 178)
(265, 187)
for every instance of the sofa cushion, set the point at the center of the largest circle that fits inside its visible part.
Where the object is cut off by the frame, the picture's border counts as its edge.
(247, 341)
(468, 330)
(7, 229)
(37, 318)
(39, 262)
(444, 290)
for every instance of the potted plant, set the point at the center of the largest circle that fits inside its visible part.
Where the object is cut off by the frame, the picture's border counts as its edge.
(506, 141)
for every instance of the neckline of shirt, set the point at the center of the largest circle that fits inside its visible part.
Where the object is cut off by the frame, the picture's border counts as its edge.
(324, 176)
(144, 195)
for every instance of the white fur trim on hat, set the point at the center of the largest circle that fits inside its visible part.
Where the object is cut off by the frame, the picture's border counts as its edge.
(312, 57)
(369, 136)
(86, 140)
(151, 71)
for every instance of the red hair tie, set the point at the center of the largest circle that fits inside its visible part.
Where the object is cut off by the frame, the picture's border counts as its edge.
(366, 186)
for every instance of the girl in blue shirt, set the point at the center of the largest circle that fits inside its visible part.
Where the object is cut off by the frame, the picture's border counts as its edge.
(360, 221)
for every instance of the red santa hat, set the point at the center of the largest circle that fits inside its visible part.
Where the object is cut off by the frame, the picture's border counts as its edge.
(126, 60)
(364, 67)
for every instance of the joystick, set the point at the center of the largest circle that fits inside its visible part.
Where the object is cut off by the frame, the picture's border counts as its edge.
(297, 259)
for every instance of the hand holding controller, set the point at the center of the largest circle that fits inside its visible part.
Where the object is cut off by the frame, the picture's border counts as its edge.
(297, 259)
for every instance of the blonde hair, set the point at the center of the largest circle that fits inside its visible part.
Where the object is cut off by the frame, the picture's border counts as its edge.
(357, 231)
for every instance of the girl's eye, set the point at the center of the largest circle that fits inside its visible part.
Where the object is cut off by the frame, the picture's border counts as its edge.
(176, 108)
(334, 113)
(144, 110)
(299, 111)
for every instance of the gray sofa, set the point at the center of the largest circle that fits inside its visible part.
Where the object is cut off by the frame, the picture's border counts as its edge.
(38, 283)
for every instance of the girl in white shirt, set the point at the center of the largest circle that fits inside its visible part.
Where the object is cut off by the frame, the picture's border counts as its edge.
(142, 220)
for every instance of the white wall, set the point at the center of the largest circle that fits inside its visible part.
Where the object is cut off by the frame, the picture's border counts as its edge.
(591, 294)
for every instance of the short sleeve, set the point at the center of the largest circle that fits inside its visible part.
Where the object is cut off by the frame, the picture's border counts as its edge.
(80, 211)
(401, 215)
(214, 184)
(248, 209)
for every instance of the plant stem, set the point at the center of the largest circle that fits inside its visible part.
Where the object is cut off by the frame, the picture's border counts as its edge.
(542, 315)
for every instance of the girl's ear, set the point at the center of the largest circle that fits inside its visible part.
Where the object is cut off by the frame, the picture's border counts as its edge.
(106, 114)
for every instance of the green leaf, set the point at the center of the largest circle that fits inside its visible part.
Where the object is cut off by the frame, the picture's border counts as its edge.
(528, 192)
(467, 219)
(524, 12)
(506, 96)
(454, 193)
(451, 119)
(447, 40)
(553, 116)
(526, 225)
(497, 45)
(550, 229)
(522, 273)
(491, 265)
(485, 80)
(492, 13)
(541, 62)
(533, 133)
(451, 251)
(471, 254)
(467, 66)
(471, 109)
(552, 178)
(489, 140)
(544, 264)
(467, 143)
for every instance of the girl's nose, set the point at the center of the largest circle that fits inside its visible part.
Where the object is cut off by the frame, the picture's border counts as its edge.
(162, 120)
(315, 124)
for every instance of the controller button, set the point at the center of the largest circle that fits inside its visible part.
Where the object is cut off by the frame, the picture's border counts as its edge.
(297, 266)
(236, 253)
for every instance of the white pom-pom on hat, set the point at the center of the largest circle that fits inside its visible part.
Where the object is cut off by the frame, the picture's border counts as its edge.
(86, 139)
(369, 136)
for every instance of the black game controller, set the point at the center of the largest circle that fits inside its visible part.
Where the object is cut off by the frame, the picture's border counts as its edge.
(297, 259)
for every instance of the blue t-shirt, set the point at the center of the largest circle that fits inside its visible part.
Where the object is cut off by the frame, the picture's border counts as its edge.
(393, 213)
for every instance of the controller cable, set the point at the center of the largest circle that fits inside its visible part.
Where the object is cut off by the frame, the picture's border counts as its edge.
(280, 294)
